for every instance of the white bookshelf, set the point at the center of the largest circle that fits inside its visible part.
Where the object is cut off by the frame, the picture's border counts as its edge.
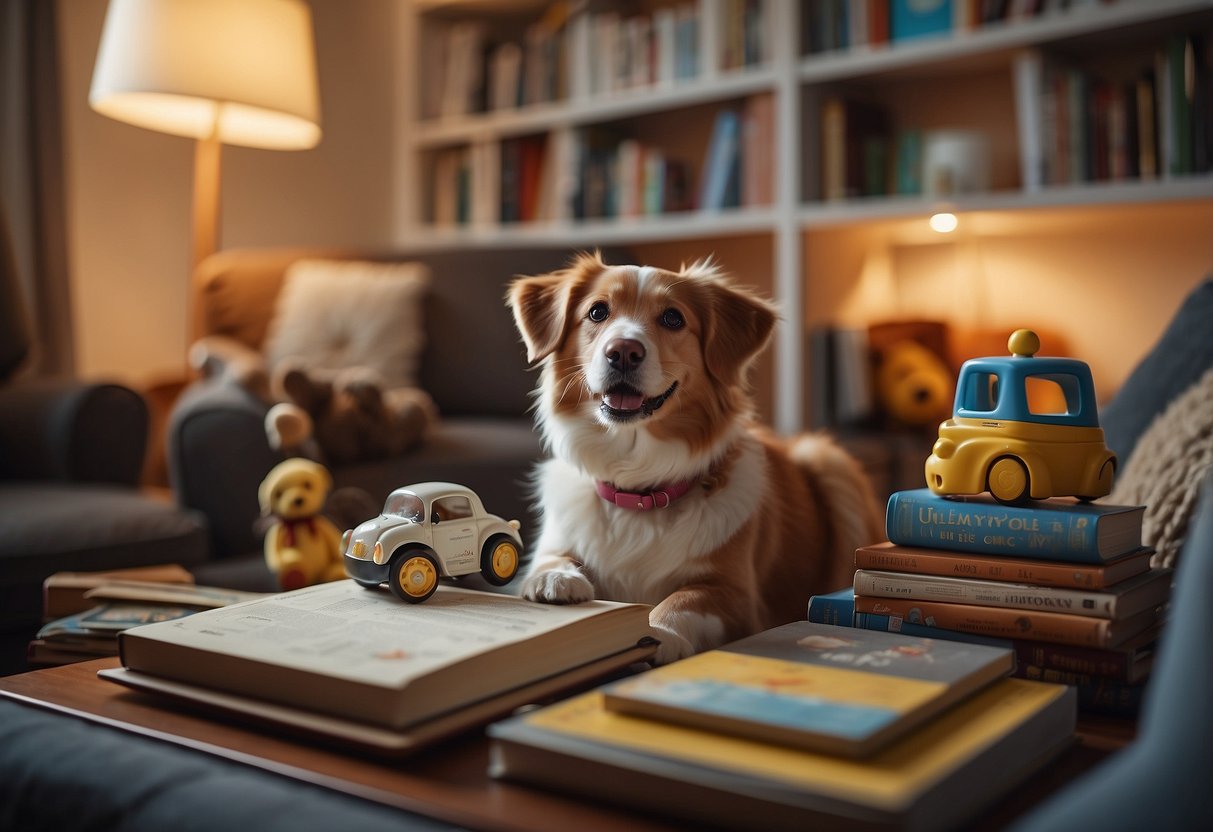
(796, 81)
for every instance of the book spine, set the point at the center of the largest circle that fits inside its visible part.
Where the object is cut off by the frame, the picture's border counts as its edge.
(985, 528)
(835, 608)
(896, 624)
(959, 565)
(999, 622)
(985, 593)
(1080, 661)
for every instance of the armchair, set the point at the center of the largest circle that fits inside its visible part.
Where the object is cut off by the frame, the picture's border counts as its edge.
(70, 458)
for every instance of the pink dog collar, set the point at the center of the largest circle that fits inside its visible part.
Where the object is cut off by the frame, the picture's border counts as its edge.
(657, 498)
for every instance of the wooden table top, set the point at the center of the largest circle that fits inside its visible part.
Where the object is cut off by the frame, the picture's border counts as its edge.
(447, 781)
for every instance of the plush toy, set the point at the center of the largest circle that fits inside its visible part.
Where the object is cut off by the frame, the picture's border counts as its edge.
(302, 547)
(346, 415)
(913, 384)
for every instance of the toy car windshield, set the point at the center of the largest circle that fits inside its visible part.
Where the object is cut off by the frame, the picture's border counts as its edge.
(408, 506)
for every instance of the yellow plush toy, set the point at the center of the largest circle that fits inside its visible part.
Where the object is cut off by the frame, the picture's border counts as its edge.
(302, 547)
(913, 384)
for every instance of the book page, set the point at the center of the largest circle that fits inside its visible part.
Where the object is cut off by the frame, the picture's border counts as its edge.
(344, 631)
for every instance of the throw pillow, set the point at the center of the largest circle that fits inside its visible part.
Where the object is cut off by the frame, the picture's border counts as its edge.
(1179, 358)
(337, 314)
(1166, 468)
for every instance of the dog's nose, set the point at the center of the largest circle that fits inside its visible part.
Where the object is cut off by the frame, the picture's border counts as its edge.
(624, 354)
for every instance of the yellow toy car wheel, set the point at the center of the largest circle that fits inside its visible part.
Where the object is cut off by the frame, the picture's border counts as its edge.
(1008, 481)
(413, 577)
(499, 562)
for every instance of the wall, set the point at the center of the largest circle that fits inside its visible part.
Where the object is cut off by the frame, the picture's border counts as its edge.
(129, 189)
(1105, 279)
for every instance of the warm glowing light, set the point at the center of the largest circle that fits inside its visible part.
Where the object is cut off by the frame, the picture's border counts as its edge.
(943, 223)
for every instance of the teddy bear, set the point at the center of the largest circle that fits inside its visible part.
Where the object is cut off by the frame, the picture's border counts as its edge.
(302, 546)
(912, 378)
(346, 415)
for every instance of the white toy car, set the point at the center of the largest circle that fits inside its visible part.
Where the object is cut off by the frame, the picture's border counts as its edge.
(427, 531)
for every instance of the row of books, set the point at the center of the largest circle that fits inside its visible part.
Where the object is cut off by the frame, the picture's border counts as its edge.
(598, 172)
(832, 25)
(1081, 126)
(579, 49)
(84, 612)
(1067, 586)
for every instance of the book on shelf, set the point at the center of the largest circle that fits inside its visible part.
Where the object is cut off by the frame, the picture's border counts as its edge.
(720, 180)
(937, 776)
(1127, 598)
(855, 140)
(914, 559)
(343, 651)
(1061, 529)
(830, 689)
(912, 19)
(63, 593)
(1005, 622)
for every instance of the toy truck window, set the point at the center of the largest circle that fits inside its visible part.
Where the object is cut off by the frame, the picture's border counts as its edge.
(1053, 394)
(407, 506)
(980, 392)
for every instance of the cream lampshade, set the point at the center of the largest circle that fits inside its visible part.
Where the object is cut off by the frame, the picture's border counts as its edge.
(219, 71)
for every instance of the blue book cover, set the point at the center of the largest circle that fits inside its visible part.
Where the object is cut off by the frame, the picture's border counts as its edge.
(910, 19)
(835, 608)
(894, 624)
(1058, 529)
(721, 170)
(823, 688)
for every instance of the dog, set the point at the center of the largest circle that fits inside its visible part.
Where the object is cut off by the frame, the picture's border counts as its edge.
(302, 546)
(660, 487)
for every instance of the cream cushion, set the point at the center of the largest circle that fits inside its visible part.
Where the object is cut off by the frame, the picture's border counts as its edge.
(336, 314)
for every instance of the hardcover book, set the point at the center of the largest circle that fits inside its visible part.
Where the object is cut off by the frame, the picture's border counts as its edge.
(1003, 622)
(1058, 529)
(936, 777)
(893, 558)
(344, 651)
(1127, 598)
(831, 689)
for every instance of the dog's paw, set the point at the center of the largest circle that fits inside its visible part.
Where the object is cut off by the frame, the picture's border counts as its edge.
(558, 586)
(673, 646)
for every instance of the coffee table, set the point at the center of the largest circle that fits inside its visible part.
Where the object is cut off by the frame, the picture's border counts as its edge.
(447, 781)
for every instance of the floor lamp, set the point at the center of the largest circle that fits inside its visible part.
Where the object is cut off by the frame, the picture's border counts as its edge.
(221, 72)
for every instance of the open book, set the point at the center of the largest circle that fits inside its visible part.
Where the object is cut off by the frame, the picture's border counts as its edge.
(360, 655)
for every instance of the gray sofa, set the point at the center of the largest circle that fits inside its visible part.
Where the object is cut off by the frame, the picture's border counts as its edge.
(473, 365)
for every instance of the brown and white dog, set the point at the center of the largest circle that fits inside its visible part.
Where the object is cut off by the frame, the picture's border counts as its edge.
(661, 489)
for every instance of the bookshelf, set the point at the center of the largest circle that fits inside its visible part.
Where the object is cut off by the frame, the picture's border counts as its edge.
(966, 76)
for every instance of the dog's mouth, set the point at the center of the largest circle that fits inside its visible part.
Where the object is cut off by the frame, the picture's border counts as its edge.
(623, 402)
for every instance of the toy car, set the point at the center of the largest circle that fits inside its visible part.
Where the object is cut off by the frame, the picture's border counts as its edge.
(428, 531)
(1022, 427)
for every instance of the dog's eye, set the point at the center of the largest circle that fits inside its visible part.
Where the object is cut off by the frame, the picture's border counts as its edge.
(307, 485)
(599, 312)
(672, 319)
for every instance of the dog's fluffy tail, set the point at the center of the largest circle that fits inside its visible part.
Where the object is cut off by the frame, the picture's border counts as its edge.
(855, 516)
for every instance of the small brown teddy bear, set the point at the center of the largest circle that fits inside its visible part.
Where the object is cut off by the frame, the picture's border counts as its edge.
(913, 384)
(302, 547)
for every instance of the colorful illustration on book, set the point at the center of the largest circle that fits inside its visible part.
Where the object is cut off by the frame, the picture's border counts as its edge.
(1023, 427)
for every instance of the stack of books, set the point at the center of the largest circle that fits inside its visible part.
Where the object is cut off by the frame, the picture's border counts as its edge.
(85, 612)
(802, 725)
(1067, 585)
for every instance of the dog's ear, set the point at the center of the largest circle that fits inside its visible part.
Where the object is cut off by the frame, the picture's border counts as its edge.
(543, 305)
(739, 327)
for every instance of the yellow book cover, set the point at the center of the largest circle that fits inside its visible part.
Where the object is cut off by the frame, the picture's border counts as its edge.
(814, 686)
(934, 777)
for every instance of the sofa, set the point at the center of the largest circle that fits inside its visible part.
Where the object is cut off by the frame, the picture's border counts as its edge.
(472, 364)
(71, 453)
